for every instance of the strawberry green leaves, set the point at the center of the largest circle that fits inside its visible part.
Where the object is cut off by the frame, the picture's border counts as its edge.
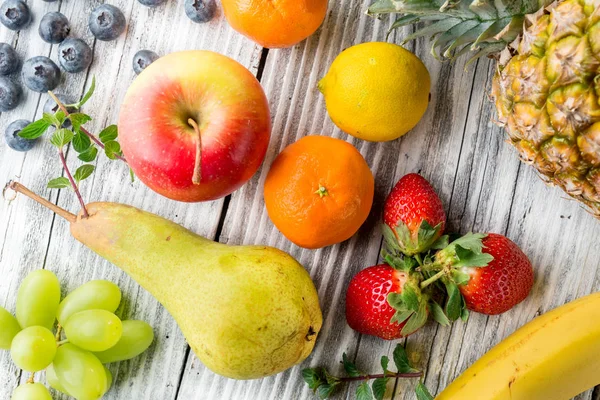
(324, 384)
(401, 240)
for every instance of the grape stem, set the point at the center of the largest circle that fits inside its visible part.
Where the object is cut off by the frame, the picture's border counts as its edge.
(60, 343)
(58, 331)
(31, 378)
(81, 128)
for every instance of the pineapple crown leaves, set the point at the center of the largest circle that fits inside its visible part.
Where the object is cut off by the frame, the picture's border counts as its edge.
(456, 27)
(321, 382)
(400, 241)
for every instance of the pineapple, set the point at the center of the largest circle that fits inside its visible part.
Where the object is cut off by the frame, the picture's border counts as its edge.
(547, 84)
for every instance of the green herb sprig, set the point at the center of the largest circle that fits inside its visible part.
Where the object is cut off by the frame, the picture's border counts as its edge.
(81, 140)
(324, 384)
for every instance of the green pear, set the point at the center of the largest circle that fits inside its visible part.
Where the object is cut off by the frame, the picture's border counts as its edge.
(246, 311)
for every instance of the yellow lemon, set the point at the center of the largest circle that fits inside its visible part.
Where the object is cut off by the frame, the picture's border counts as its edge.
(376, 91)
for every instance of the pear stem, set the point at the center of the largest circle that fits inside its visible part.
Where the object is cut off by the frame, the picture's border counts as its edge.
(197, 177)
(17, 187)
(61, 154)
(81, 128)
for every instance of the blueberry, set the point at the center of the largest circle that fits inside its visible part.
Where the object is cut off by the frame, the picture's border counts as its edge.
(54, 27)
(152, 3)
(74, 55)
(107, 22)
(10, 94)
(14, 14)
(9, 60)
(40, 74)
(200, 10)
(142, 59)
(13, 140)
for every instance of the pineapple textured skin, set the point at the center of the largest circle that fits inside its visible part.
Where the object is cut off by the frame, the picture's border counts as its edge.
(547, 98)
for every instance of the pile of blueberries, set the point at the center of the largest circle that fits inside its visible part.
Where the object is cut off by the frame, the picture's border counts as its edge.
(41, 74)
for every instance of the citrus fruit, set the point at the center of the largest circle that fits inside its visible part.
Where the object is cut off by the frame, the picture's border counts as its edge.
(319, 191)
(275, 23)
(376, 91)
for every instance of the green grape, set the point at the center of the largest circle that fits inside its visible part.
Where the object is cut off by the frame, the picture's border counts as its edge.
(81, 374)
(31, 391)
(33, 348)
(9, 327)
(94, 295)
(109, 379)
(53, 380)
(93, 330)
(37, 299)
(137, 337)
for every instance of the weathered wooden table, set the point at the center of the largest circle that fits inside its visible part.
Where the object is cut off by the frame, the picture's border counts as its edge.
(456, 146)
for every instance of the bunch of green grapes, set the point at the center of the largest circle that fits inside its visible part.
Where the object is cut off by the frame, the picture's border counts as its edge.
(87, 336)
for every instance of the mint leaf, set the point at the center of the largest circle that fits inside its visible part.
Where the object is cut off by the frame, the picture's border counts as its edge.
(89, 155)
(35, 129)
(384, 364)
(401, 360)
(379, 386)
(422, 392)
(78, 119)
(312, 376)
(61, 137)
(59, 183)
(87, 95)
(55, 119)
(83, 172)
(112, 149)
(81, 142)
(108, 134)
(350, 368)
(363, 392)
(324, 391)
(438, 314)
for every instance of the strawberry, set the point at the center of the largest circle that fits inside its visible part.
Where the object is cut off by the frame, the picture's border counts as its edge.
(503, 283)
(415, 214)
(385, 302)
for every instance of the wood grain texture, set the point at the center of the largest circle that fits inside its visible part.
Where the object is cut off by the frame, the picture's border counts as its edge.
(478, 176)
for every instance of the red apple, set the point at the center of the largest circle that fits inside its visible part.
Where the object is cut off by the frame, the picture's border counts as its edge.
(194, 126)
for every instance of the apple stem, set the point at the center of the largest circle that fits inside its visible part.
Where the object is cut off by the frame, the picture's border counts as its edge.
(197, 177)
(17, 187)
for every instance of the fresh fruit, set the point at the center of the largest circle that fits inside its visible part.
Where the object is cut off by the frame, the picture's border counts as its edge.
(40, 74)
(136, 338)
(319, 191)
(503, 283)
(9, 327)
(200, 11)
(93, 330)
(37, 299)
(74, 55)
(53, 380)
(9, 59)
(54, 27)
(151, 3)
(13, 140)
(107, 22)
(31, 391)
(33, 348)
(14, 14)
(368, 310)
(376, 91)
(238, 306)
(93, 295)
(547, 104)
(142, 59)
(195, 126)
(109, 378)
(80, 373)
(554, 357)
(278, 23)
(415, 214)
(10, 94)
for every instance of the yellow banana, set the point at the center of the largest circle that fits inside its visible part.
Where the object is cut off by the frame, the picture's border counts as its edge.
(554, 357)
